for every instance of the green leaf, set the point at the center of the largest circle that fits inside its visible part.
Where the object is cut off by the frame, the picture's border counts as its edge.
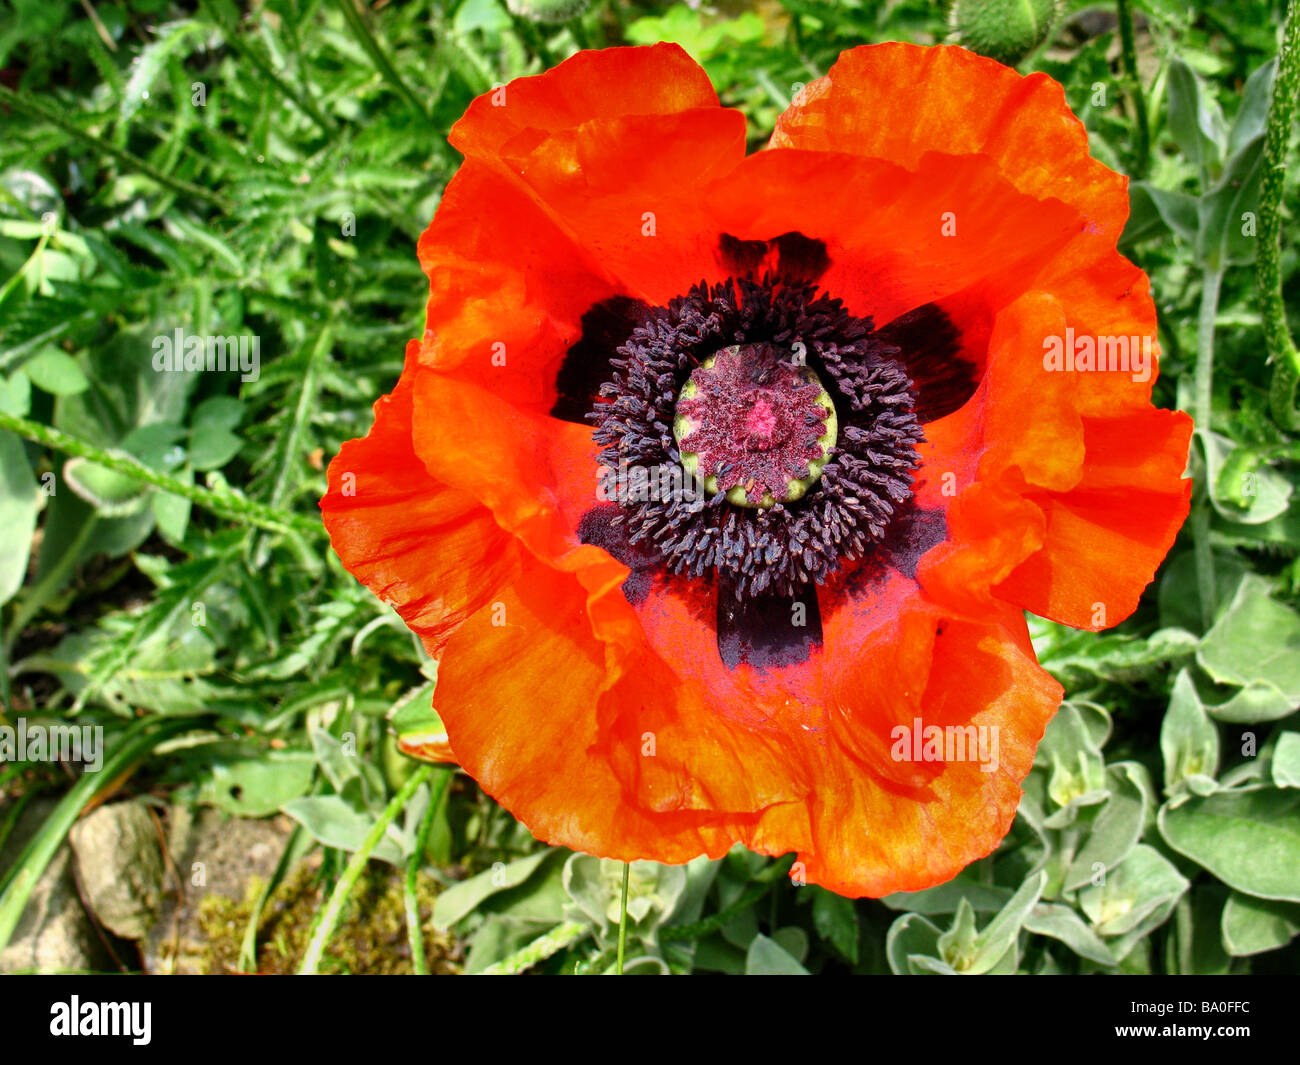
(1179, 601)
(258, 785)
(1189, 740)
(1196, 948)
(1249, 839)
(1252, 114)
(16, 394)
(1255, 639)
(1195, 120)
(1257, 702)
(1242, 489)
(1253, 926)
(1070, 749)
(18, 508)
(1062, 923)
(766, 957)
(1002, 933)
(354, 777)
(212, 446)
(836, 921)
(172, 512)
(460, 900)
(910, 937)
(333, 821)
(595, 885)
(112, 494)
(56, 372)
(1143, 886)
(1117, 827)
(1286, 760)
(945, 898)
(151, 61)
(1229, 212)
(1076, 658)
(1154, 211)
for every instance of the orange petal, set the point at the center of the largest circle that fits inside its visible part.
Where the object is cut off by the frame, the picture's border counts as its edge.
(590, 86)
(431, 551)
(872, 839)
(897, 101)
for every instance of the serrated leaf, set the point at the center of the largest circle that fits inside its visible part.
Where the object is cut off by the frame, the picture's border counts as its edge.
(150, 63)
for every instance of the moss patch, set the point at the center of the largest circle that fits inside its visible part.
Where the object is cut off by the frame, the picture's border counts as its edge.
(370, 938)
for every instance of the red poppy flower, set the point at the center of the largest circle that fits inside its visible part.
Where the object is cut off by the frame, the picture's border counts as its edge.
(909, 375)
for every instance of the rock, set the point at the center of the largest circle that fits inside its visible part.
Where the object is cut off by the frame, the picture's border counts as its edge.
(120, 867)
(54, 933)
(215, 854)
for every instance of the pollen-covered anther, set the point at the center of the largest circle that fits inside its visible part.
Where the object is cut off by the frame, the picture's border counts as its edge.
(754, 426)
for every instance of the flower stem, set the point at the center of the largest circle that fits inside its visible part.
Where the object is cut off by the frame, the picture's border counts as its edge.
(414, 929)
(1133, 86)
(539, 949)
(228, 505)
(622, 919)
(1268, 262)
(40, 109)
(328, 918)
(1202, 411)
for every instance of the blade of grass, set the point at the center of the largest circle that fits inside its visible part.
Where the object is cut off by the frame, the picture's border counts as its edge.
(306, 397)
(328, 918)
(229, 505)
(248, 946)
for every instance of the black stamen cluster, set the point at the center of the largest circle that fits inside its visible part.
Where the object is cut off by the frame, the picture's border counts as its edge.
(867, 480)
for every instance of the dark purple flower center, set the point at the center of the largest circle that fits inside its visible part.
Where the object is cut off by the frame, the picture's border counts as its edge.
(755, 426)
(794, 418)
